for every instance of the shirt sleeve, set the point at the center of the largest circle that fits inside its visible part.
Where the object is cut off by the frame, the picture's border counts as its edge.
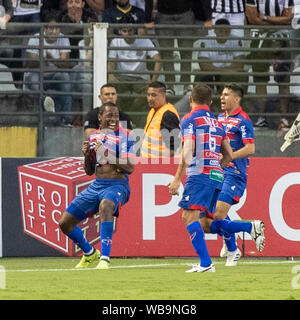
(187, 129)
(149, 44)
(91, 120)
(247, 131)
(113, 53)
(33, 42)
(64, 42)
(170, 130)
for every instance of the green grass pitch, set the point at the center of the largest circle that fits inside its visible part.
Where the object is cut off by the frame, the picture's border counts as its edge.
(148, 279)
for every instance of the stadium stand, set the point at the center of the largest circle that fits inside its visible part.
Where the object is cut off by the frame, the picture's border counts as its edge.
(26, 107)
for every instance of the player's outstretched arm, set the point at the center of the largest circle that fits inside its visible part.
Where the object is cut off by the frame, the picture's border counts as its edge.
(246, 151)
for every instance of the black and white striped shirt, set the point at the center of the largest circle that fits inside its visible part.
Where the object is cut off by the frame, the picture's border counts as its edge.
(228, 6)
(271, 8)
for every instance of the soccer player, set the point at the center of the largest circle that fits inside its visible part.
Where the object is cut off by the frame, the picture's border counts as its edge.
(107, 153)
(239, 129)
(204, 139)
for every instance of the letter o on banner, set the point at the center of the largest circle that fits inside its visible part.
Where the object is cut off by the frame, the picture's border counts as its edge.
(275, 206)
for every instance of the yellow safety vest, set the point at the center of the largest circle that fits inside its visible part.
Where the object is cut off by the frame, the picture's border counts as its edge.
(152, 145)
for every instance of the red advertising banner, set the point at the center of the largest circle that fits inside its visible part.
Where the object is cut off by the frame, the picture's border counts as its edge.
(150, 223)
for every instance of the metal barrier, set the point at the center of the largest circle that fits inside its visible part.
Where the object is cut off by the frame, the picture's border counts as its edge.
(23, 101)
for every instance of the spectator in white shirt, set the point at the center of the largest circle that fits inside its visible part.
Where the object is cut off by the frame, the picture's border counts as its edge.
(54, 60)
(221, 58)
(132, 78)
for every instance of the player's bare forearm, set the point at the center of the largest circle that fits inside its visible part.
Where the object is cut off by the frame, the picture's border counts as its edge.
(175, 183)
(181, 169)
(246, 151)
(89, 165)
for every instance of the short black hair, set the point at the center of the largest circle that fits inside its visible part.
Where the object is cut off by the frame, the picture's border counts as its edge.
(52, 15)
(108, 85)
(222, 21)
(237, 89)
(158, 85)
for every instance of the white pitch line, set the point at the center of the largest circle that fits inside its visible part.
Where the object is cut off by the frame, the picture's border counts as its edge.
(141, 266)
(88, 269)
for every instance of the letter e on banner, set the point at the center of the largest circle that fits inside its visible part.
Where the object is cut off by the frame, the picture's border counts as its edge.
(150, 209)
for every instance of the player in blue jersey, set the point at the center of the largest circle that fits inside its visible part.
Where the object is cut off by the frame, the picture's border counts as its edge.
(108, 154)
(239, 129)
(204, 140)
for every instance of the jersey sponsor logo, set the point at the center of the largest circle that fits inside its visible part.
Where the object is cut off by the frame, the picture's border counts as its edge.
(211, 155)
(216, 175)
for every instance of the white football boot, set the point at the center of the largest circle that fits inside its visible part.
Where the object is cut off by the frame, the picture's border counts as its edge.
(198, 268)
(232, 258)
(257, 234)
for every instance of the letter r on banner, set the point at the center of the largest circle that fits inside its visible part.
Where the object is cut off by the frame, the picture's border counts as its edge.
(150, 209)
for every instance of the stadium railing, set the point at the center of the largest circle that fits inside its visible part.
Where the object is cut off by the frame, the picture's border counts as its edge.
(23, 107)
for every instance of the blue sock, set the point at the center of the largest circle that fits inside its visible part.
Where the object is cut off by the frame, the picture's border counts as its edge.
(78, 238)
(231, 241)
(197, 237)
(226, 227)
(106, 233)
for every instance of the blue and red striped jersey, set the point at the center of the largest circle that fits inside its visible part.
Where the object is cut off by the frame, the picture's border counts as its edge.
(239, 130)
(118, 143)
(203, 127)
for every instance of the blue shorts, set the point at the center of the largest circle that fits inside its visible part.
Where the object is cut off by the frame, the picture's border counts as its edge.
(87, 202)
(199, 195)
(232, 189)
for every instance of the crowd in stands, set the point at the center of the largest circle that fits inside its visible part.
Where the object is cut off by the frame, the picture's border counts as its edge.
(151, 14)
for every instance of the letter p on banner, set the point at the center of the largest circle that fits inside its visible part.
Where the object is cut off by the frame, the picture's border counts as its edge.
(2, 278)
(151, 211)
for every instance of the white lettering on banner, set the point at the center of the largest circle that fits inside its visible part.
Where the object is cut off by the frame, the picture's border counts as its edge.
(275, 206)
(28, 188)
(150, 209)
